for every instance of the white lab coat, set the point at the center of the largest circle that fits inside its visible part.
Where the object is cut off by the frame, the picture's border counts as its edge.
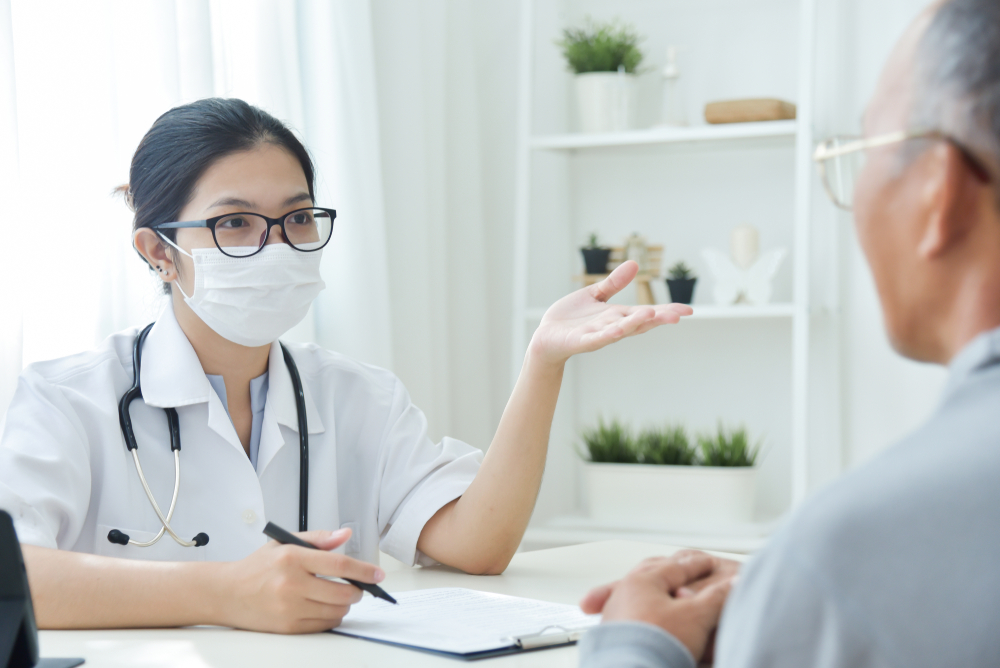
(67, 478)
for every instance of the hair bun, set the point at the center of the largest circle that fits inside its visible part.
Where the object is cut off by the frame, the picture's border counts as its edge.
(125, 192)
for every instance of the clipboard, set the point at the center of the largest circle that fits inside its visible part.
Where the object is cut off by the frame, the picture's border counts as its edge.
(467, 624)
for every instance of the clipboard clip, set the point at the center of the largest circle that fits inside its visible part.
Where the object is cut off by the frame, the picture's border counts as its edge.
(545, 638)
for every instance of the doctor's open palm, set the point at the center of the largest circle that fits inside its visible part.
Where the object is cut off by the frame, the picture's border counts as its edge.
(583, 321)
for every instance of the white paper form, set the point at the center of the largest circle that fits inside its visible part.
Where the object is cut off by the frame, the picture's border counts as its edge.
(462, 621)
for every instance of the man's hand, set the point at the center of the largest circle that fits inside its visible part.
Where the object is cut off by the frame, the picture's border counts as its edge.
(683, 594)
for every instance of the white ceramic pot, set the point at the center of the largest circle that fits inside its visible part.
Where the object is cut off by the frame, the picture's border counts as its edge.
(657, 494)
(605, 101)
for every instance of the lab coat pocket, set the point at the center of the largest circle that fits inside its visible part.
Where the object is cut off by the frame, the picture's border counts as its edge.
(352, 548)
(165, 549)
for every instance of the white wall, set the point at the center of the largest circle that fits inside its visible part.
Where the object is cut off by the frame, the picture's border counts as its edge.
(883, 395)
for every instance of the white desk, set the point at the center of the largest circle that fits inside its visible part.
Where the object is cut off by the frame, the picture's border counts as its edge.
(561, 575)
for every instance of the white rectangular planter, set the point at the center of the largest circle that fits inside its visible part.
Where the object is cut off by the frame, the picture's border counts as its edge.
(657, 494)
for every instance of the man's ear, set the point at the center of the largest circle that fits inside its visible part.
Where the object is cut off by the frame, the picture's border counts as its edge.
(154, 251)
(951, 195)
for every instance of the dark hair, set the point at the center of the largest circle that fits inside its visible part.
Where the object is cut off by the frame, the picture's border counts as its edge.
(958, 76)
(186, 141)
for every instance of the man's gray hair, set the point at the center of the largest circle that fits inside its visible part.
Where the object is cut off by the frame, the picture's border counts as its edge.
(958, 77)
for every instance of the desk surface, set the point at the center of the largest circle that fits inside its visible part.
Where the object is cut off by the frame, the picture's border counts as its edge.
(561, 575)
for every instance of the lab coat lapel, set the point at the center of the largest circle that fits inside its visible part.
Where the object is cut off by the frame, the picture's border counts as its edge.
(280, 408)
(172, 376)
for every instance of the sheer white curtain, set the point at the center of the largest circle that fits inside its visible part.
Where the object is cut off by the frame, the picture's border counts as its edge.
(447, 83)
(82, 82)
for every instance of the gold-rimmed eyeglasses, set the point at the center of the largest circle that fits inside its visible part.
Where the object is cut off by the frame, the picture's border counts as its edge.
(842, 158)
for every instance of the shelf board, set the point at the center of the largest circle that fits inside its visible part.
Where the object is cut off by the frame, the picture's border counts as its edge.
(572, 529)
(710, 312)
(729, 132)
(713, 312)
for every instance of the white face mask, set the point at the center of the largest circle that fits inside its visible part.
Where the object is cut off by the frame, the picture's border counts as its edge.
(253, 300)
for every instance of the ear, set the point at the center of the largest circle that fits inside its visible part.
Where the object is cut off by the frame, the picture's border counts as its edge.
(951, 197)
(154, 251)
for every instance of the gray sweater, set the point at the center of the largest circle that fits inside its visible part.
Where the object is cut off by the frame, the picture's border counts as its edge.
(895, 564)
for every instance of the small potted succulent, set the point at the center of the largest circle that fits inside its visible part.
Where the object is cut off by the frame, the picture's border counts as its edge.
(604, 58)
(595, 256)
(660, 477)
(680, 283)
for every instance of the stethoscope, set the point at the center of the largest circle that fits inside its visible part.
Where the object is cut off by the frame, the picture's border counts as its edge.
(135, 392)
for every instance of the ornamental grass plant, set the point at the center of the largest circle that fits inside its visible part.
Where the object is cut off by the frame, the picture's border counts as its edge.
(669, 446)
(727, 447)
(601, 47)
(614, 443)
(610, 443)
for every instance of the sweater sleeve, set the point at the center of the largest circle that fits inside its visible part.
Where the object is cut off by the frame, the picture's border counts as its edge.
(787, 612)
(632, 645)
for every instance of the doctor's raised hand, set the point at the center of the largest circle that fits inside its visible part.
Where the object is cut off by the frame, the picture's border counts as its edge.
(583, 321)
(140, 475)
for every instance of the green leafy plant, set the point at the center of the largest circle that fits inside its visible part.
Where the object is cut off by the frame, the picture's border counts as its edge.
(727, 447)
(593, 241)
(610, 443)
(668, 446)
(601, 47)
(681, 272)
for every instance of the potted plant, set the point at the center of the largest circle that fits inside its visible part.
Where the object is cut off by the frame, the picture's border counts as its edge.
(680, 283)
(595, 256)
(659, 477)
(604, 58)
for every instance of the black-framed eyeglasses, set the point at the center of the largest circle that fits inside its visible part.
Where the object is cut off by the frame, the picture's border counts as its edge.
(243, 234)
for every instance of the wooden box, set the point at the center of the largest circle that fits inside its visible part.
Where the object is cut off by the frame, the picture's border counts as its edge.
(749, 111)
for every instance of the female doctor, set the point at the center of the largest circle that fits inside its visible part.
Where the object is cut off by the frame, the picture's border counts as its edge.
(225, 216)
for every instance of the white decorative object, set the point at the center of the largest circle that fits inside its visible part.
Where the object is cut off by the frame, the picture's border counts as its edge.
(647, 493)
(637, 250)
(734, 285)
(605, 101)
(672, 111)
(744, 244)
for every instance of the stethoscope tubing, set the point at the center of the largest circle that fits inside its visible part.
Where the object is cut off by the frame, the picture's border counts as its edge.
(165, 521)
(125, 420)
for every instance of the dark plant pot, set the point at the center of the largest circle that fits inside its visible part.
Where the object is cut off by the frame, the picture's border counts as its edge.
(596, 259)
(681, 290)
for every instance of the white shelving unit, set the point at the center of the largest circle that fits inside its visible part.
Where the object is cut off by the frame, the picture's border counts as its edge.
(796, 137)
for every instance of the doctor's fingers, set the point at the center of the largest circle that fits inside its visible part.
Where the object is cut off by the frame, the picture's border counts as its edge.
(336, 565)
(641, 319)
(621, 327)
(622, 275)
(319, 590)
(314, 617)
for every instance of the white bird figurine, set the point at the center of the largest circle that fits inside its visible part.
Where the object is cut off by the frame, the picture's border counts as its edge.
(735, 285)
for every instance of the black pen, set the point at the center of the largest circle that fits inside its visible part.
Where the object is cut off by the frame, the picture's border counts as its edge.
(272, 530)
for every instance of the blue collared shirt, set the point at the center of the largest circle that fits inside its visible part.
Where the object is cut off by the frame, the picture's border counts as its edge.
(258, 397)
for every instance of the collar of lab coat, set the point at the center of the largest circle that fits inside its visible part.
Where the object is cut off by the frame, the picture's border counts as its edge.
(172, 376)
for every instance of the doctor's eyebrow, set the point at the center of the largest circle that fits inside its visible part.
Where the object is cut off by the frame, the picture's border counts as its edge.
(251, 206)
(295, 199)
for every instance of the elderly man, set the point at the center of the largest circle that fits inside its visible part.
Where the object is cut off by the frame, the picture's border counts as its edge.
(897, 563)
